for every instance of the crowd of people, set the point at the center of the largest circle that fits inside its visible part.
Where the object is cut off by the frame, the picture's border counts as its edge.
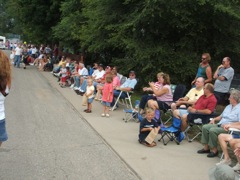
(105, 84)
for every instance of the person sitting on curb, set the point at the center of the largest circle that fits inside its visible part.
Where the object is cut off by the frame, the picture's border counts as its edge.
(146, 126)
(204, 105)
(210, 132)
(191, 97)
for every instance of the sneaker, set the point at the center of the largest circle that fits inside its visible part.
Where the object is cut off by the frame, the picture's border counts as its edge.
(80, 89)
(236, 167)
(198, 121)
(107, 115)
(32, 64)
(75, 88)
(102, 114)
(72, 86)
(224, 161)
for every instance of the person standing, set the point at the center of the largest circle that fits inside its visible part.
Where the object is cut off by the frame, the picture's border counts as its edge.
(204, 69)
(224, 76)
(18, 53)
(5, 84)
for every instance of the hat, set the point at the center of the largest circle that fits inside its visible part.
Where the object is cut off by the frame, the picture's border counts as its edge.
(132, 72)
(222, 172)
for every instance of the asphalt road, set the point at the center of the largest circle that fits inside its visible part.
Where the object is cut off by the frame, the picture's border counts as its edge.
(50, 139)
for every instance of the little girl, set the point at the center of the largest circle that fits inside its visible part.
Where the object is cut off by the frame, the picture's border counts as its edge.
(107, 94)
(63, 74)
(90, 95)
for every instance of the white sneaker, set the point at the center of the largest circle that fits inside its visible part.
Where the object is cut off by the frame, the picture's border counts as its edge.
(107, 115)
(198, 121)
(102, 114)
(75, 88)
(72, 86)
(236, 167)
(32, 64)
(80, 89)
(224, 161)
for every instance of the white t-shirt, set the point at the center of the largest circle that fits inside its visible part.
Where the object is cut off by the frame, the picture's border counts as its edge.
(100, 74)
(89, 89)
(83, 72)
(34, 50)
(2, 109)
(18, 51)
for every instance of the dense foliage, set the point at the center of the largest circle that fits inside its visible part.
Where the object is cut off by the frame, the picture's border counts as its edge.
(148, 35)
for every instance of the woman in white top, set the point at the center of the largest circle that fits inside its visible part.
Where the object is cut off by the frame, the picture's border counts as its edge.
(5, 83)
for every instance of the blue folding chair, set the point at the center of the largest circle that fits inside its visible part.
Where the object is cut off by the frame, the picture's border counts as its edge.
(173, 132)
(132, 114)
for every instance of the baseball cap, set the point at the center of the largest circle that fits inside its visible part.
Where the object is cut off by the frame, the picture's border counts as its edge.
(132, 72)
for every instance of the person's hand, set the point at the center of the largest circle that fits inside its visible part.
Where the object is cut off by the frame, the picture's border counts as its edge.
(226, 127)
(212, 121)
(237, 151)
(220, 66)
(151, 84)
(191, 110)
(145, 89)
(117, 88)
(193, 82)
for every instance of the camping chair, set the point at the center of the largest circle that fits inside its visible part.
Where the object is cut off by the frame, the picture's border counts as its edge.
(198, 120)
(173, 133)
(231, 131)
(178, 91)
(127, 102)
(132, 114)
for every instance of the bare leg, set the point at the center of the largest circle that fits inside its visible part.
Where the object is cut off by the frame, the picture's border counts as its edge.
(184, 122)
(223, 139)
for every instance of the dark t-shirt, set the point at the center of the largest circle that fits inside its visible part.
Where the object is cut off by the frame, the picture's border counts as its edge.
(146, 124)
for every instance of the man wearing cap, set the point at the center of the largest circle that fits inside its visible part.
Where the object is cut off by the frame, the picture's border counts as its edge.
(128, 85)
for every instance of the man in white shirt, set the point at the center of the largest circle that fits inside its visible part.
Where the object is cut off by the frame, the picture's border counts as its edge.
(18, 53)
(82, 72)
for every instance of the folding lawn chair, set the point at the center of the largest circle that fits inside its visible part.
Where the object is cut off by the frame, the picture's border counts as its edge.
(132, 114)
(173, 132)
(178, 91)
(197, 120)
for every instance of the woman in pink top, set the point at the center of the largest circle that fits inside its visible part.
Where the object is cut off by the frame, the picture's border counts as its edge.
(162, 94)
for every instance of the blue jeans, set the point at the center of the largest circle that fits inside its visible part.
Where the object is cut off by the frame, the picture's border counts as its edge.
(116, 94)
(17, 60)
(84, 85)
(76, 81)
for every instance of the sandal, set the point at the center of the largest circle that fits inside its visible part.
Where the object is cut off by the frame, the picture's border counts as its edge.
(149, 145)
(85, 110)
(88, 111)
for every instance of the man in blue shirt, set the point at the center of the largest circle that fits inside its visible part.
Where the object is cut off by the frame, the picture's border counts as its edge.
(127, 86)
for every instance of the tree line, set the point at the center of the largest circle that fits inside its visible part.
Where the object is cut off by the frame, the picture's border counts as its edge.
(148, 36)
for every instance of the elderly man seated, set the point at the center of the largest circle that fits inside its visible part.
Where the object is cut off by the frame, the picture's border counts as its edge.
(204, 105)
(191, 97)
(128, 85)
(210, 132)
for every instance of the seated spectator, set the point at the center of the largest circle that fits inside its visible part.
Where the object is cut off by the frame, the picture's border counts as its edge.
(146, 97)
(210, 132)
(163, 94)
(115, 83)
(204, 69)
(146, 126)
(82, 72)
(43, 62)
(97, 78)
(204, 105)
(58, 67)
(191, 98)
(127, 86)
(223, 75)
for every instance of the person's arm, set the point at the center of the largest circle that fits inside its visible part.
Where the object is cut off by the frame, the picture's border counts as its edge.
(232, 125)
(216, 76)
(203, 111)
(159, 92)
(209, 75)
(216, 119)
